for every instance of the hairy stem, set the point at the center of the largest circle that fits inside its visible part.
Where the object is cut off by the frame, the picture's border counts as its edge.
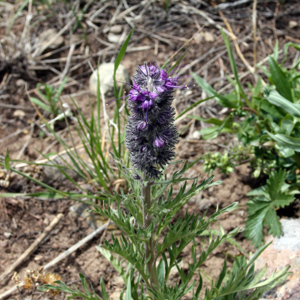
(149, 246)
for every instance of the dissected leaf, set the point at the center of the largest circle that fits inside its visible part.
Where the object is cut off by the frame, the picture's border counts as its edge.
(262, 209)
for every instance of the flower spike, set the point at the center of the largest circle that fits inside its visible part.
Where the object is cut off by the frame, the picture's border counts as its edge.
(150, 133)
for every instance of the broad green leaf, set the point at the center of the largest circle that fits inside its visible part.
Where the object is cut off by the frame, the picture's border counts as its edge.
(287, 125)
(214, 121)
(286, 141)
(292, 108)
(255, 222)
(280, 79)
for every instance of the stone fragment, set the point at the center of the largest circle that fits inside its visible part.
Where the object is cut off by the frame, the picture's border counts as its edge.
(116, 29)
(204, 35)
(7, 234)
(48, 35)
(19, 113)
(106, 72)
(196, 135)
(293, 24)
(114, 38)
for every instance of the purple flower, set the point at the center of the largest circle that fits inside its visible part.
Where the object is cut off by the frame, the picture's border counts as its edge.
(150, 133)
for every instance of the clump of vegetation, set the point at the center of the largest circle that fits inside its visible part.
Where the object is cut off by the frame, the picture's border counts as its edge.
(266, 121)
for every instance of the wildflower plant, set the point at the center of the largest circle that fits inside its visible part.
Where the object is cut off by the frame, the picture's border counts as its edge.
(148, 210)
(154, 236)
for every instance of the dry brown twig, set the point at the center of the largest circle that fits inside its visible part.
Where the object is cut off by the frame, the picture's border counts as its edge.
(254, 15)
(235, 41)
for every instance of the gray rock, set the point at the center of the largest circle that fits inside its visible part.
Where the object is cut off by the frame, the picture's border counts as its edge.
(106, 72)
(284, 250)
(291, 236)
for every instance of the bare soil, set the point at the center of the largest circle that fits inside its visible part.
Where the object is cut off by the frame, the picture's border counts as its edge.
(157, 36)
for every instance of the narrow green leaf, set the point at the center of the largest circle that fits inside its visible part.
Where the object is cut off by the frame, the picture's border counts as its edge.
(239, 88)
(178, 61)
(41, 104)
(192, 106)
(7, 161)
(161, 273)
(212, 93)
(286, 141)
(128, 291)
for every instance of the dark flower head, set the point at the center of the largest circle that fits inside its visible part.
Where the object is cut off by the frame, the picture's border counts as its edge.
(150, 133)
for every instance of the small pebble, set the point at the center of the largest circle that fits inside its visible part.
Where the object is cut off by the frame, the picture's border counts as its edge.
(7, 234)
(196, 135)
(293, 24)
(116, 29)
(19, 113)
(113, 38)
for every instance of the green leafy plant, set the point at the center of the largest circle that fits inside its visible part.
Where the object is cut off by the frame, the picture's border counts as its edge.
(262, 208)
(227, 161)
(266, 120)
(50, 98)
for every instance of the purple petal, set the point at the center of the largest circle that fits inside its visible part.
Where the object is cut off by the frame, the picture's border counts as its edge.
(163, 75)
(158, 142)
(142, 125)
(152, 95)
(147, 103)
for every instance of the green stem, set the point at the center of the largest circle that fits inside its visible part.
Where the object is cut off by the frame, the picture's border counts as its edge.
(149, 246)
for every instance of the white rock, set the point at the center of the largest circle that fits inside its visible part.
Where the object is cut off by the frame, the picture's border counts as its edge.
(106, 72)
(114, 38)
(196, 135)
(7, 234)
(293, 24)
(208, 36)
(198, 37)
(19, 113)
